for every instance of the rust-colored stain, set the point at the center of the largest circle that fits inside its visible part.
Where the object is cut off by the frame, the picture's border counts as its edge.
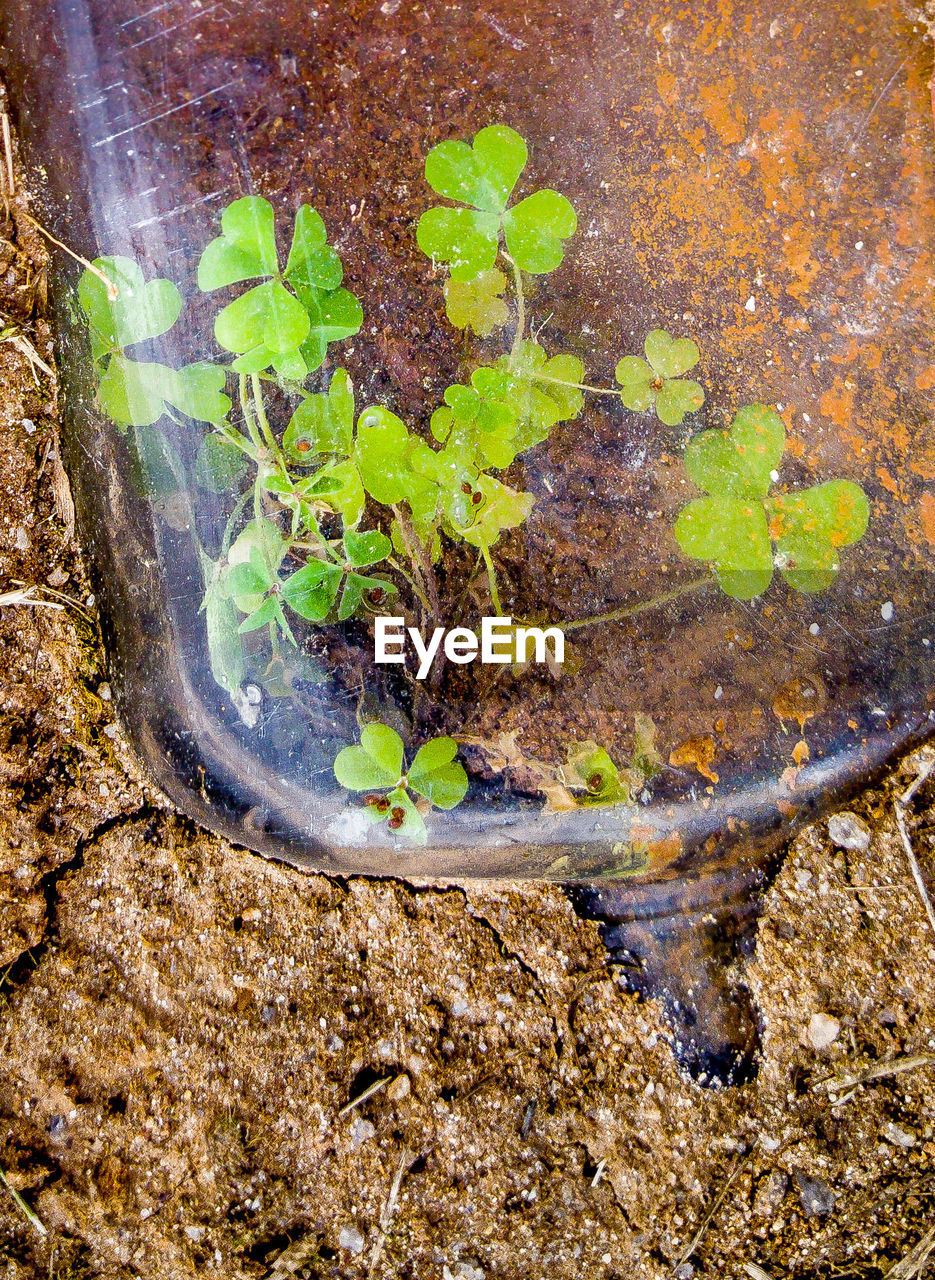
(698, 752)
(927, 517)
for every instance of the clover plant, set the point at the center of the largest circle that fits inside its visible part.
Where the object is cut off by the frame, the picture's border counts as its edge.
(378, 767)
(334, 508)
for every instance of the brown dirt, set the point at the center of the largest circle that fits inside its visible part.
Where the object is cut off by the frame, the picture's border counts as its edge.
(184, 1022)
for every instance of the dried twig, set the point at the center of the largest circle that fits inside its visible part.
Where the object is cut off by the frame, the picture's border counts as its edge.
(913, 1264)
(112, 290)
(706, 1221)
(755, 1272)
(389, 1212)
(23, 1206)
(26, 596)
(22, 343)
(367, 1093)
(901, 805)
(10, 176)
(879, 1070)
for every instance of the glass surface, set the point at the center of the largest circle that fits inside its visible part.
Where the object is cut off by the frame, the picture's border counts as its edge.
(304, 431)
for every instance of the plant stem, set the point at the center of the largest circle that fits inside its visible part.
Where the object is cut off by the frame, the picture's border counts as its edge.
(248, 415)
(423, 599)
(271, 441)
(520, 308)
(420, 560)
(642, 606)
(492, 579)
(578, 386)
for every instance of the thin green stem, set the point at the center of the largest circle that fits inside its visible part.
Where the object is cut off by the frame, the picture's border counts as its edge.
(642, 606)
(232, 520)
(291, 390)
(248, 415)
(520, 309)
(419, 559)
(492, 579)
(271, 442)
(578, 386)
(423, 598)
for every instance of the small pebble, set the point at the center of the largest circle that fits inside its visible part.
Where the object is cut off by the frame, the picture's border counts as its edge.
(104, 692)
(816, 1197)
(398, 1089)
(847, 831)
(899, 1137)
(21, 539)
(350, 1238)
(770, 1194)
(886, 611)
(822, 1030)
(57, 578)
(28, 426)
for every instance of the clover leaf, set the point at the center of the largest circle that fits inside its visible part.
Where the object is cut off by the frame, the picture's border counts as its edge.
(742, 460)
(483, 176)
(286, 322)
(384, 452)
(477, 304)
(377, 766)
(137, 393)
(322, 423)
(590, 766)
(141, 310)
(501, 508)
(734, 527)
(810, 527)
(436, 775)
(511, 405)
(219, 464)
(657, 381)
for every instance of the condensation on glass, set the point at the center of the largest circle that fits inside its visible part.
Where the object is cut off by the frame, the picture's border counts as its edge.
(735, 181)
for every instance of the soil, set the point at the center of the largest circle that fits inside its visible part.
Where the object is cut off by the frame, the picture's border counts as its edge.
(185, 1025)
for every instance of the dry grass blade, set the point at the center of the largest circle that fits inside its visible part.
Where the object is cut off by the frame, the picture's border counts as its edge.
(913, 1264)
(367, 1093)
(26, 596)
(23, 1206)
(389, 1212)
(755, 1272)
(10, 176)
(706, 1221)
(879, 1070)
(22, 344)
(112, 290)
(901, 805)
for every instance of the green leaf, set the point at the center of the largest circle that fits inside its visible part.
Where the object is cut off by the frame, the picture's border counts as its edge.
(635, 376)
(219, 464)
(312, 262)
(502, 508)
(376, 763)
(225, 647)
(158, 468)
(738, 462)
(245, 249)
(249, 579)
(349, 499)
(404, 819)
(311, 592)
(435, 774)
(536, 229)
(355, 587)
(141, 311)
(366, 548)
(810, 527)
(322, 423)
(266, 318)
(477, 304)
(467, 241)
(732, 535)
(482, 175)
(591, 767)
(135, 392)
(670, 357)
(269, 611)
(676, 398)
(384, 452)
(332, 316)
(262, 537)
(130, 391)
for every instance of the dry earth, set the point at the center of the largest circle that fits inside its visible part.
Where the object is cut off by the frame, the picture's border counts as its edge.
(184, 1024)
